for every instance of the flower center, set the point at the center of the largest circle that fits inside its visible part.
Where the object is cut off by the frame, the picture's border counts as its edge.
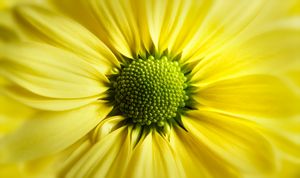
(150, 91)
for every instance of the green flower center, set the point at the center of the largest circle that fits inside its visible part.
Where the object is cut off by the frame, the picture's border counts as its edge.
(150, 91)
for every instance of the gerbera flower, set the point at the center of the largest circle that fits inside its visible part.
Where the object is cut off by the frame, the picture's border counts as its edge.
(149, 88)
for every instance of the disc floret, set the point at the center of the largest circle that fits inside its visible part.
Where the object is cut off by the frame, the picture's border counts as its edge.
(150, 91)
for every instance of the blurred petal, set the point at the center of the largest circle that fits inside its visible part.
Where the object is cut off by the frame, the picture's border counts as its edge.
(50, 132)
(8, 28)
(285, 134)
(259, 51)
(253, 96)
(50, 72)
(49, 166)
(289, 169)
(13, 170)
(9, 118)
(197, 159)
(228, 22)
(46, 26)
(219, 23)
(45, 103)
(4, 4)
(238, 142)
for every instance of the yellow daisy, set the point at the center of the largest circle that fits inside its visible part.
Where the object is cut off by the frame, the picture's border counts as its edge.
(149, 88)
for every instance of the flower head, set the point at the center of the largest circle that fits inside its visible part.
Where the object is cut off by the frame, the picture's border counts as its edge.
(129, 88)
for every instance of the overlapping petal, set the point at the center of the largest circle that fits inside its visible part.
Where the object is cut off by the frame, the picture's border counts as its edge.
(110, 151)
(265, 50)
(50, 132)
(285, 135)
(50, 71)
(154, 157)
(236, 142)
(253, 96)
(45, 103)
(72, 36)
(197, 159)
(118, 20)
(9, 118)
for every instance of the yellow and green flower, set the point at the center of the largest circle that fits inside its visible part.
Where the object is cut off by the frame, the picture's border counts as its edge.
(150, 88)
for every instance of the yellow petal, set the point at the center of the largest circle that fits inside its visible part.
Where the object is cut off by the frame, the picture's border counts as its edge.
(164, 20)
(106, 126)
(258, 51)
(153, 157)
(225, 22)
(50, 72)
(45, 103)
(219, 23)
(215, 24)
(6, 34)
(289, 169)
(47, 26)
(6, 4)
(8, 28)
(120, 163)
(9, 118)
(119, 24)
(70, 156)
(17, 171)
(99, 161)
(253, 96)
(288, 144)
(295, 10)
(292, 78)
(285, 134)
(237, 142)
(46, 167)
(50, 132)
(13, 170)
(197, 158)
(86, 17)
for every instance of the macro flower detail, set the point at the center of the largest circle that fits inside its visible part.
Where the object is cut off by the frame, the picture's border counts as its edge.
(150, 91)
(149, 88)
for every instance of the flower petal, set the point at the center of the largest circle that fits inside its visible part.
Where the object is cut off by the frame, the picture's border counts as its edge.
(225, 22)
(237, 142)
(202, 26)
(258, 51)
(9, 118)
(197, 159)
(50, 132)
(45, 103)
(253, 96)
(100, 160)
(107, 126)
(11, 171)
(47, 26)
(118, 21)
(285, 134)
(71, 156)
(163, 21)
(153, 157)
(50, 72)
(8, 28)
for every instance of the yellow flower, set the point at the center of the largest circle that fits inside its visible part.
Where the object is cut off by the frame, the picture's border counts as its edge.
(150, 88)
